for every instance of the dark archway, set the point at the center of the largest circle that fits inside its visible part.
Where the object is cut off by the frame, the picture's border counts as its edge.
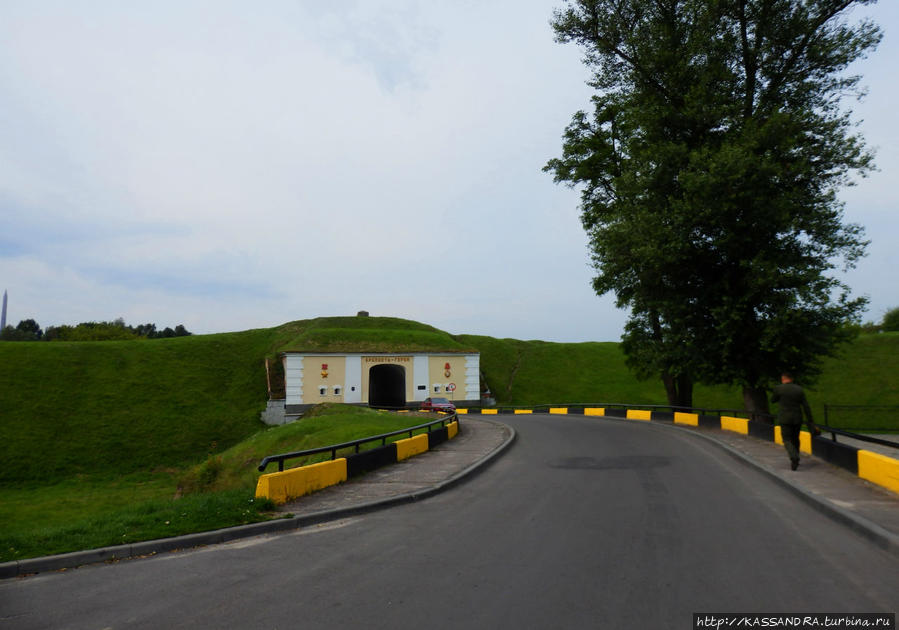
(387, 386)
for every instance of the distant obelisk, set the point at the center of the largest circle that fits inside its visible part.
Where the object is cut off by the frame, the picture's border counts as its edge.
(3, 315)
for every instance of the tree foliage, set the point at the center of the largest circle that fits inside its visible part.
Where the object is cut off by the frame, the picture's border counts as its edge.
(26, 330)
(91, 331)
(709, 169)
(29, 330)
(890, 321)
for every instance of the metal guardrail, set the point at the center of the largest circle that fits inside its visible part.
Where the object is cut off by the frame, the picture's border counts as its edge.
(269, 459)
(855, 436)
(667, 408)
(757, 416)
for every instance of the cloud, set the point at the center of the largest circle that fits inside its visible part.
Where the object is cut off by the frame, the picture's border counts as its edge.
(225, 167)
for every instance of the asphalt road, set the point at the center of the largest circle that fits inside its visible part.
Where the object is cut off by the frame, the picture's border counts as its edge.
(581, 524)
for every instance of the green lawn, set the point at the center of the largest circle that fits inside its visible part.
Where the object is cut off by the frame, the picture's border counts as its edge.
(102, 509)
(92, 512)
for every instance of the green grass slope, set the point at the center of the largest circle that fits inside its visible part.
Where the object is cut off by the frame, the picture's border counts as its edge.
(81, 407)
(323, 425)
(70, 408)
(538, 372)
(89, 511)
(865, 372)
(125, 406)
(367, 334)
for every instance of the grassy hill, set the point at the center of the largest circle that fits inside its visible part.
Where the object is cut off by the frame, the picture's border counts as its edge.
(367, 334)
(865, 372)
(77, 407)
(538, 372)
(98, 510)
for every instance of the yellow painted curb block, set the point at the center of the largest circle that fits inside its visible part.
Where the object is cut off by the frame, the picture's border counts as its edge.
(488, 412)
(639, 414)
(411, 446)
(805, 442)
(519, 412)
(737, 425)
(879, 469)
(462, 411)
(686, 418)
(559, 410)
(285, 485)
(452, 429)
(595, 411)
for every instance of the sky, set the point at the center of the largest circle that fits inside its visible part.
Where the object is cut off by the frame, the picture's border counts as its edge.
(232, 165)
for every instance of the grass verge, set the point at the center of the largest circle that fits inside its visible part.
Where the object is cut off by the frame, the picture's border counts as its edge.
(88, 511)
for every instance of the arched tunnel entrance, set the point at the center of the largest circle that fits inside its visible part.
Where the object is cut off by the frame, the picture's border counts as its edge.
(387, 386)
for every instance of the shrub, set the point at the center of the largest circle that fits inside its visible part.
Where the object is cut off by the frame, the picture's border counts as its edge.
(891, 320)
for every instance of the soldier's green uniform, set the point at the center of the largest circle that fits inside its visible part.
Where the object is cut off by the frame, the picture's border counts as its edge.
(792, 403)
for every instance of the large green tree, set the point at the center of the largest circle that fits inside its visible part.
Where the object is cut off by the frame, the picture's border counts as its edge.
(709, 169)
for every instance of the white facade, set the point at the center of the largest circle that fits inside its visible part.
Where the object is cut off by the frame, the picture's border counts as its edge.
(312, 378)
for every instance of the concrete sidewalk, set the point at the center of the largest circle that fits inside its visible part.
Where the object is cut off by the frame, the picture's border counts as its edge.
(477, 443)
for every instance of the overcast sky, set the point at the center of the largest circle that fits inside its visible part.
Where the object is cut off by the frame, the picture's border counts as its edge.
(235, 165)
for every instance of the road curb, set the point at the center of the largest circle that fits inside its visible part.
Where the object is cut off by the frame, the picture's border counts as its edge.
(146, 548)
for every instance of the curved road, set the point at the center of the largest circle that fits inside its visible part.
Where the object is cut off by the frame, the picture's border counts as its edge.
(583, 523)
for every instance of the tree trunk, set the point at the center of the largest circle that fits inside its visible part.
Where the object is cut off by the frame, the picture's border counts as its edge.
(679, 390)
(685, 389)
(755, 400)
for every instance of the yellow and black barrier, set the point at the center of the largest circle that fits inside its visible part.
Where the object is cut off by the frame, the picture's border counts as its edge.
(874, 467)
(284, 486)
